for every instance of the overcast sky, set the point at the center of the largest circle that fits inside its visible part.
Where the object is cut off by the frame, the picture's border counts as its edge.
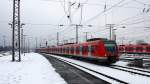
(42, 18)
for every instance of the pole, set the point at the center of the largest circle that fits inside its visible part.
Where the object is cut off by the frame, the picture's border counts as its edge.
(123, 40)
(4, 40)
(24, 43)
(28, 45)
(110, 30)
(46, 44)
(22, 37)
(76, 34)
(36, 42)
(69, 9)
(19, 30)
(57, 38)
(114, 34)
(16, 31)
(13, 33)
(86, 35)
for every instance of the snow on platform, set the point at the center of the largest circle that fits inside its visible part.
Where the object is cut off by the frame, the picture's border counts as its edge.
(33, 69)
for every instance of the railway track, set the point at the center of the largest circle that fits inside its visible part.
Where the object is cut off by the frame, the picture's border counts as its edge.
(131, 70)
(142, 70)
(85, 69)
(73, 75)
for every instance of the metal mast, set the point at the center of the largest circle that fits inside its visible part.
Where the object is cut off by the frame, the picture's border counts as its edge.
(57, 38)
(16, 31)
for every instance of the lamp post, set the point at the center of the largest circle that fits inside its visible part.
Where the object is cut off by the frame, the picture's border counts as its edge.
(24, 44)
(29, 47)
(22, 24)
(4, 42)
(114, 34)
(13, 47)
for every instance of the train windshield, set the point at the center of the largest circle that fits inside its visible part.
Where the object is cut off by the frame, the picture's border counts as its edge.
(110, 46)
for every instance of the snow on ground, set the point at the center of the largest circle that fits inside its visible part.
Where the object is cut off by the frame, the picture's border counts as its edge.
(6, 53)
(1, 55)
(121, 63)
(33, 69)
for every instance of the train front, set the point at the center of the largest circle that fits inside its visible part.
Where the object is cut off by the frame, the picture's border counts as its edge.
(111, 51)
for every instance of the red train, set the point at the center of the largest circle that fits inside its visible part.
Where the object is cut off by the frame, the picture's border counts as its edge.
(135, 48)
(99, 49)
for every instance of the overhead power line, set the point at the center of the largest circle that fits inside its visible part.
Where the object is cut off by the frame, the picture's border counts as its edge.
(98, 4)
(95, 17)
(141, 2)
(137, 22)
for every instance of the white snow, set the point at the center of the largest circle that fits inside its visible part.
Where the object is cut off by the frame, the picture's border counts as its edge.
(125, 64)
(6, 53)
(121, 63)
(1, 55)
(125, 76)
(33, 69)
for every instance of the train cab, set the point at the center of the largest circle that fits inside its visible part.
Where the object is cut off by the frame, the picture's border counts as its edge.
(111, 50)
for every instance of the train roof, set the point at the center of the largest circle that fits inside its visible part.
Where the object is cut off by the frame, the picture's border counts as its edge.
(94, 39)
(69, 43)
(89, 41)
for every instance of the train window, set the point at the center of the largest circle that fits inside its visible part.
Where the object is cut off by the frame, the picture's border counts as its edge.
(129, 48)
(139, 48)
(121, 49)
(91, 49)
(63, 49)
(80, 49)
(111, 47)
(68, 49)
(85, 48)
(77, 49)
(147, 48)
(72, 49)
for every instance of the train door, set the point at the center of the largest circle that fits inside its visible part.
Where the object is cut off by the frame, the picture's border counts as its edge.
(72, 50)
(85, 50)
(92, 50)
(89, 50)
(77, 50)
(80, 51)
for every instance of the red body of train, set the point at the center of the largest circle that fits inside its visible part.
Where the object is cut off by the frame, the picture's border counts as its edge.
(134, 49)
(99, 49)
